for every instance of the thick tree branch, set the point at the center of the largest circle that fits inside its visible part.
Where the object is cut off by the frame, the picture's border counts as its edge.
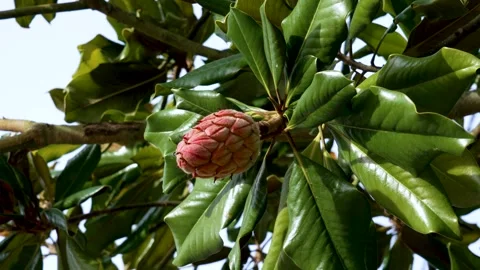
(37, 135)
(354, 64)
(146, 27)
(121, 209)
(468, 104)
(41, 9)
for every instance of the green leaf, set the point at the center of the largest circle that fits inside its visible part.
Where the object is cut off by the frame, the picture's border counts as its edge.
(77, 172)
(73, 256)
(322, 220)
(201, 102)
(29, 258)
(277, 11)
(58, 97)
(48, 16)
(110, 86)
(461, 178)
(364, 14)
(55, 151)
(197, 221)
(440, 9)
(252, 213)
(461, 258)
(401, 10)
(56, 218)
(381, 117)
(326, 98)
(400, 257)
(392, 43)
(24, 21)
(160, 126)
(247, 36)
(161, 249)
(272, 261)
(210, 73)
(148, 158)
(218, 6)
(81, 196)
(274, 46)
(416, 200)
(316, 28)
(431, 89)
(18, 246)
(301, 77)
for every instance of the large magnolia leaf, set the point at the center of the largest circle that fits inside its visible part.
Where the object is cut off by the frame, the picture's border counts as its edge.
(364, 14)
(461, 258)
(77, 172)
(392, 43)
(431, 89)
(407, 18)
(316, 28)
(461, 178)
(327, 97)
(247, 35)
(325, 232)
(444, 9)
(274, 46)
(210, 73)
(301, 77)
(386, 123)
(19, 251)
(160, 126)
(117, 86)
(202, 102)
(416, 200)
(197, 221)
(254, 209)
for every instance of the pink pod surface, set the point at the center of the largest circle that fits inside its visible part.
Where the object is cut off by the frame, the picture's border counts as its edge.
(221, 144)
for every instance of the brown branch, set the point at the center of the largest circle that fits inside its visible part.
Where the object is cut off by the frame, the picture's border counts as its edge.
(41, 9)
(38, 135)
(146, 27)
(154, 31)
(121, 209)
(469, 103)
(349, 61)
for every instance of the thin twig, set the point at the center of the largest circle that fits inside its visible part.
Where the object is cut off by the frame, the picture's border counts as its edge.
(41, 9)
(121, 209)
(347, 60)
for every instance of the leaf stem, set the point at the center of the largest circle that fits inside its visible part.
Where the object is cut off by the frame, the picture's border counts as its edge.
(41, 9)
(121, 209)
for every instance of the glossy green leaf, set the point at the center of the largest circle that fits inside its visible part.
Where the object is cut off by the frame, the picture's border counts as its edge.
(247, 36)
(443, 9)
(327, 97)
(73, 256)
(77, 171)
(58, 97)
(161, 249)
(244, 88)
(24, 21)
(250, 7)
(160, 127)
(81, 196)
(402, 11)
(381, 117)
(210, 73)
(148, 158)
(419, 201)
(461, 258)
(274, 46)
(392, 43)
(461, 178)
(430, 35)
(272, 261)
(218, 6)
(22, 188)
(316, 28)
(29, 258)
(254, 210)
(16, 247)
(197, 221)
(201, 102)
(56, 218)
(400, 257)
(301, 77)
(431, 89)
(325, 232)
(364, 14)
(55, 151)
(277, 11)
(90, 95)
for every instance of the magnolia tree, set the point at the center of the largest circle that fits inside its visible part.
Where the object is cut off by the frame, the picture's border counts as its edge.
(289, 159)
